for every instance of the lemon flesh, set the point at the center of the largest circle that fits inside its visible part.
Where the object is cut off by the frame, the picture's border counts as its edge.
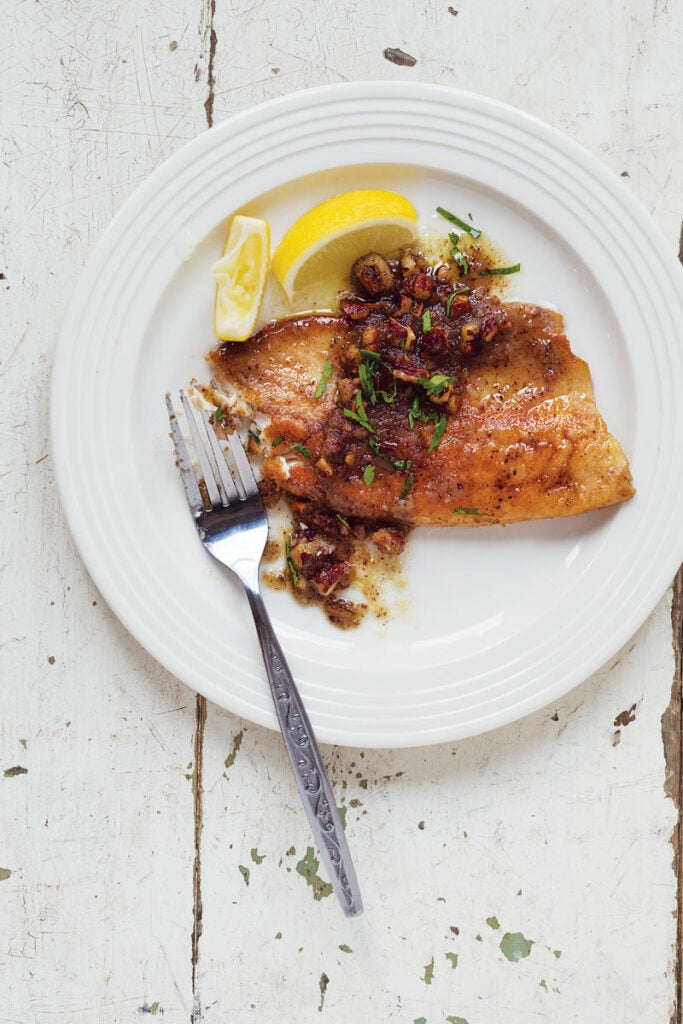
(318, 250)
(240, 275)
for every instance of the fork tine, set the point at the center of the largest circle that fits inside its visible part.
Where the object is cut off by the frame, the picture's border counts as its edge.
(244, 469)
(192, 491)
(230, 492)
(200, 449)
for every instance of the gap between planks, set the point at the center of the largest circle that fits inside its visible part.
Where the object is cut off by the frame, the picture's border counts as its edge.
(200, 703)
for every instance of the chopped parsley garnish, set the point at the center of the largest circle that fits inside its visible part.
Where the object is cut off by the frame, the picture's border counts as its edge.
(367, 353)
(366, 384)
(277, 441)
(436, 384)
(388, 398)
(468, 512)
(218, 413)
(439, 427)
(255, 435)
(360, 416)
(502, 270)
(343, 521)
(463, 225)
(403, 464)
(415, 413)
(453, 295)
(290, 564)
(368, 475)
(407, 484)
(326, 374)
(301, 449)
(462, 263)
(426, 320)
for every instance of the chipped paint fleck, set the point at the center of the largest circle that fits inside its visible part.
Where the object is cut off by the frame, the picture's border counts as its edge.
(258, 858)
(323, 983)
(492, 922)
(245, 873)
(514, 946)
(236, 744)
(625, 718)
(453, 958)
(428, 975)
(400, 57)
(307, 867)
(18, 769)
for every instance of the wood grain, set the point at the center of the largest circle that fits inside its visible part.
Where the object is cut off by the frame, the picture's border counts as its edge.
(154, 860)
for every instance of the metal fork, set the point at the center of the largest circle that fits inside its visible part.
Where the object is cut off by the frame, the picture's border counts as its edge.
(231, 521)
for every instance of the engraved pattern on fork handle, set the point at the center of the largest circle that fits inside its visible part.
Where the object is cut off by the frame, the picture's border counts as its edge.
(307, 764)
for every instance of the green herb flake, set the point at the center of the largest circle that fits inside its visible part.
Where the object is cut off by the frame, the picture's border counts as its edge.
(462, 511)
(420, 1020)
(360, 416)
(415, 413)
(368, 475)
(436, 384)
(463, 225)
(290, 564)
(258, 858)
(343, 521)
(345, 949)
(218, 413)
(407, 484)
(456, 1020)
(244, 873)
(501, 270)
(366, 384)
(255, 436)
(301, 449)
(493, 922)
(453, 958)
(426, 320)
(326, 374)
(367, 353)
(439, 428)
(277, 441)
(428, 975)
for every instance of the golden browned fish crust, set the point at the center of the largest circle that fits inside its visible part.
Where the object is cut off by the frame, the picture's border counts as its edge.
(527, 441)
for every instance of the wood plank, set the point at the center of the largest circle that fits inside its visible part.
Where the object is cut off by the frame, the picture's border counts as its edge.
(97, 846)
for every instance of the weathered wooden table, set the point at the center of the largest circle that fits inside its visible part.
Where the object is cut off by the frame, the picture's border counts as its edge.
(153, 856)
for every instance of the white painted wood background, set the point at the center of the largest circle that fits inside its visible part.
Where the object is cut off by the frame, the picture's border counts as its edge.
(558, 827)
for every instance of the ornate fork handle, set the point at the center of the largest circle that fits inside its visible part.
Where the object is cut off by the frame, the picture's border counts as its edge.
(307, 764)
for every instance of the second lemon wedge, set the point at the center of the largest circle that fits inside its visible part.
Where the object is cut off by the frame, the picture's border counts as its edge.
(323, 243)
(240, 275)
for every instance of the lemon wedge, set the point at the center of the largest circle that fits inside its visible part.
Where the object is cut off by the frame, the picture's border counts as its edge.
(321, 245)
(241, 274)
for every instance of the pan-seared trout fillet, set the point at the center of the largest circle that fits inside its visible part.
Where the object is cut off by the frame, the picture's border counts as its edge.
(514, 433)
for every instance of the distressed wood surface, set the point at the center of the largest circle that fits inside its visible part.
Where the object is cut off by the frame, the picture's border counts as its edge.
(153, 856)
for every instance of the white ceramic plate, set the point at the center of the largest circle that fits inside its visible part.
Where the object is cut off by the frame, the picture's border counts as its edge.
(493, 623)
